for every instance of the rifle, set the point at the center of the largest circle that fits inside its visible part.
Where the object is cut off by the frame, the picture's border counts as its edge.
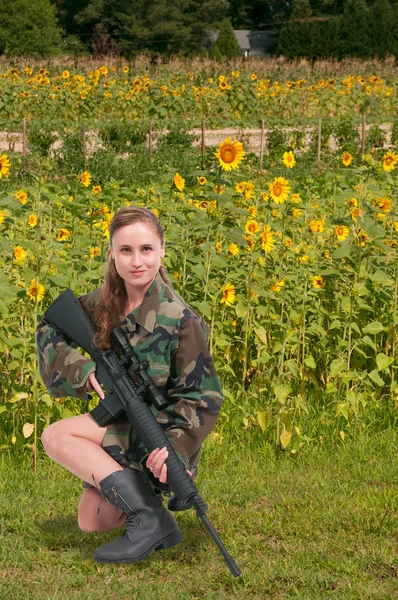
(124, 396)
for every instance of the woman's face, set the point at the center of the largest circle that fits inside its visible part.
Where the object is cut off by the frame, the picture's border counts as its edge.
(137, 250)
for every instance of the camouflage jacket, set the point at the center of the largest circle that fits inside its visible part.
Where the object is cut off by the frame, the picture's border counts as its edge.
(166, 332)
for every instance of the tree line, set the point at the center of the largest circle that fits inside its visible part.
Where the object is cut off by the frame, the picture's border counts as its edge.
(305, 28)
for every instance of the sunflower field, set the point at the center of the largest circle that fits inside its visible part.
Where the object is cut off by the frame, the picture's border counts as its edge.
(278, 91)
(293, 265)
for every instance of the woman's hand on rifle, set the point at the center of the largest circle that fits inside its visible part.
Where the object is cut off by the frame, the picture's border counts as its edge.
(92, 385)
(156, 462)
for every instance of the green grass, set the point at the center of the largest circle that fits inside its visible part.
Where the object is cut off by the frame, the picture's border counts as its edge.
(318, 525)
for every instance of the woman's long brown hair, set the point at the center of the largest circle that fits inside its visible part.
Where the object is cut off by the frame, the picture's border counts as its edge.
(111, 298)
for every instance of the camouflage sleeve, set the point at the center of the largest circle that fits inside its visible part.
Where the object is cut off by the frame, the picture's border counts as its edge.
(194, 392)
(64, 369)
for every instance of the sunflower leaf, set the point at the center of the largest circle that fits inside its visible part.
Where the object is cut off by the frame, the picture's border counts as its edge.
(343, 251)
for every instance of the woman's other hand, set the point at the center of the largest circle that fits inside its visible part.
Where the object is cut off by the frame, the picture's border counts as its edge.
(92, 385)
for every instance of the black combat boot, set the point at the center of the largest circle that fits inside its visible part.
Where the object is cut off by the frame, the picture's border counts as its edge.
(149, 526)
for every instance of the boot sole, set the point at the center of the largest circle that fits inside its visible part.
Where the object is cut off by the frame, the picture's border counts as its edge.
(170, 540)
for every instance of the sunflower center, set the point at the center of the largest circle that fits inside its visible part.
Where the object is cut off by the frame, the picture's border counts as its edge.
(228, 154)
(277, 189)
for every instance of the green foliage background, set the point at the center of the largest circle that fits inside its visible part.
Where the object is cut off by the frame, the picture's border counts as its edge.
(312, 29)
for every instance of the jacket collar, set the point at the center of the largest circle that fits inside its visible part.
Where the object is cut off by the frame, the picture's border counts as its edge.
(149, 309)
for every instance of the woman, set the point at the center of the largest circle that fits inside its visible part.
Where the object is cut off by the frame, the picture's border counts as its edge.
(166, 332)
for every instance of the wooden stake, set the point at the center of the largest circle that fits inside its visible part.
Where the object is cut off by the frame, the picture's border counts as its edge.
(84, 144)
(24, 137)
(150, 139)
(363, 134)
(262, 144)
(203, 144)
(319, 142)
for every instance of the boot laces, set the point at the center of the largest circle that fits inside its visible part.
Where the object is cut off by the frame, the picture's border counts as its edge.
(117, 500)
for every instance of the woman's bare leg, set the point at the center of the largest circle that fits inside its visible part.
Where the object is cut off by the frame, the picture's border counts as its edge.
(75, 443)
(90, 519)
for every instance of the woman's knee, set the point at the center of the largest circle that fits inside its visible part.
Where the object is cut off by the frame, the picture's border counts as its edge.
(61, 432)
(51, 438)
(95, 514)
(87, 524)
(90, 523)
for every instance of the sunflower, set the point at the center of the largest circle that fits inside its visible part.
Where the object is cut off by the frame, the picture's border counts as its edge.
(252, 226)
(218, 247)
(228, 294)
(65, 74)
(32, 220)
(202, 180)
(289, 160)
(179, 182)
(253, 77)
(155, 212)
(296, 213)
(385, 204)
(204, 205)
(251, 244)
(362, 237)
(252, 210)
(85, 178)
(352, 202)
(4, 166)
(276, 287)
(62, 235)
(19, 254)
(233, 249)
(356, 212)
(390, 159)
(2, 216)
(240, 187)
(318, 282)
(94, 251)
(279, 190)
(126, 69)
(341, 232)
(35, 291)
(249, 190)
(97, 189)
(296, 198)
(346, 159)
(230, 154)
(265, 196)
(267, 238)
(317, 226)
(22, 196)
